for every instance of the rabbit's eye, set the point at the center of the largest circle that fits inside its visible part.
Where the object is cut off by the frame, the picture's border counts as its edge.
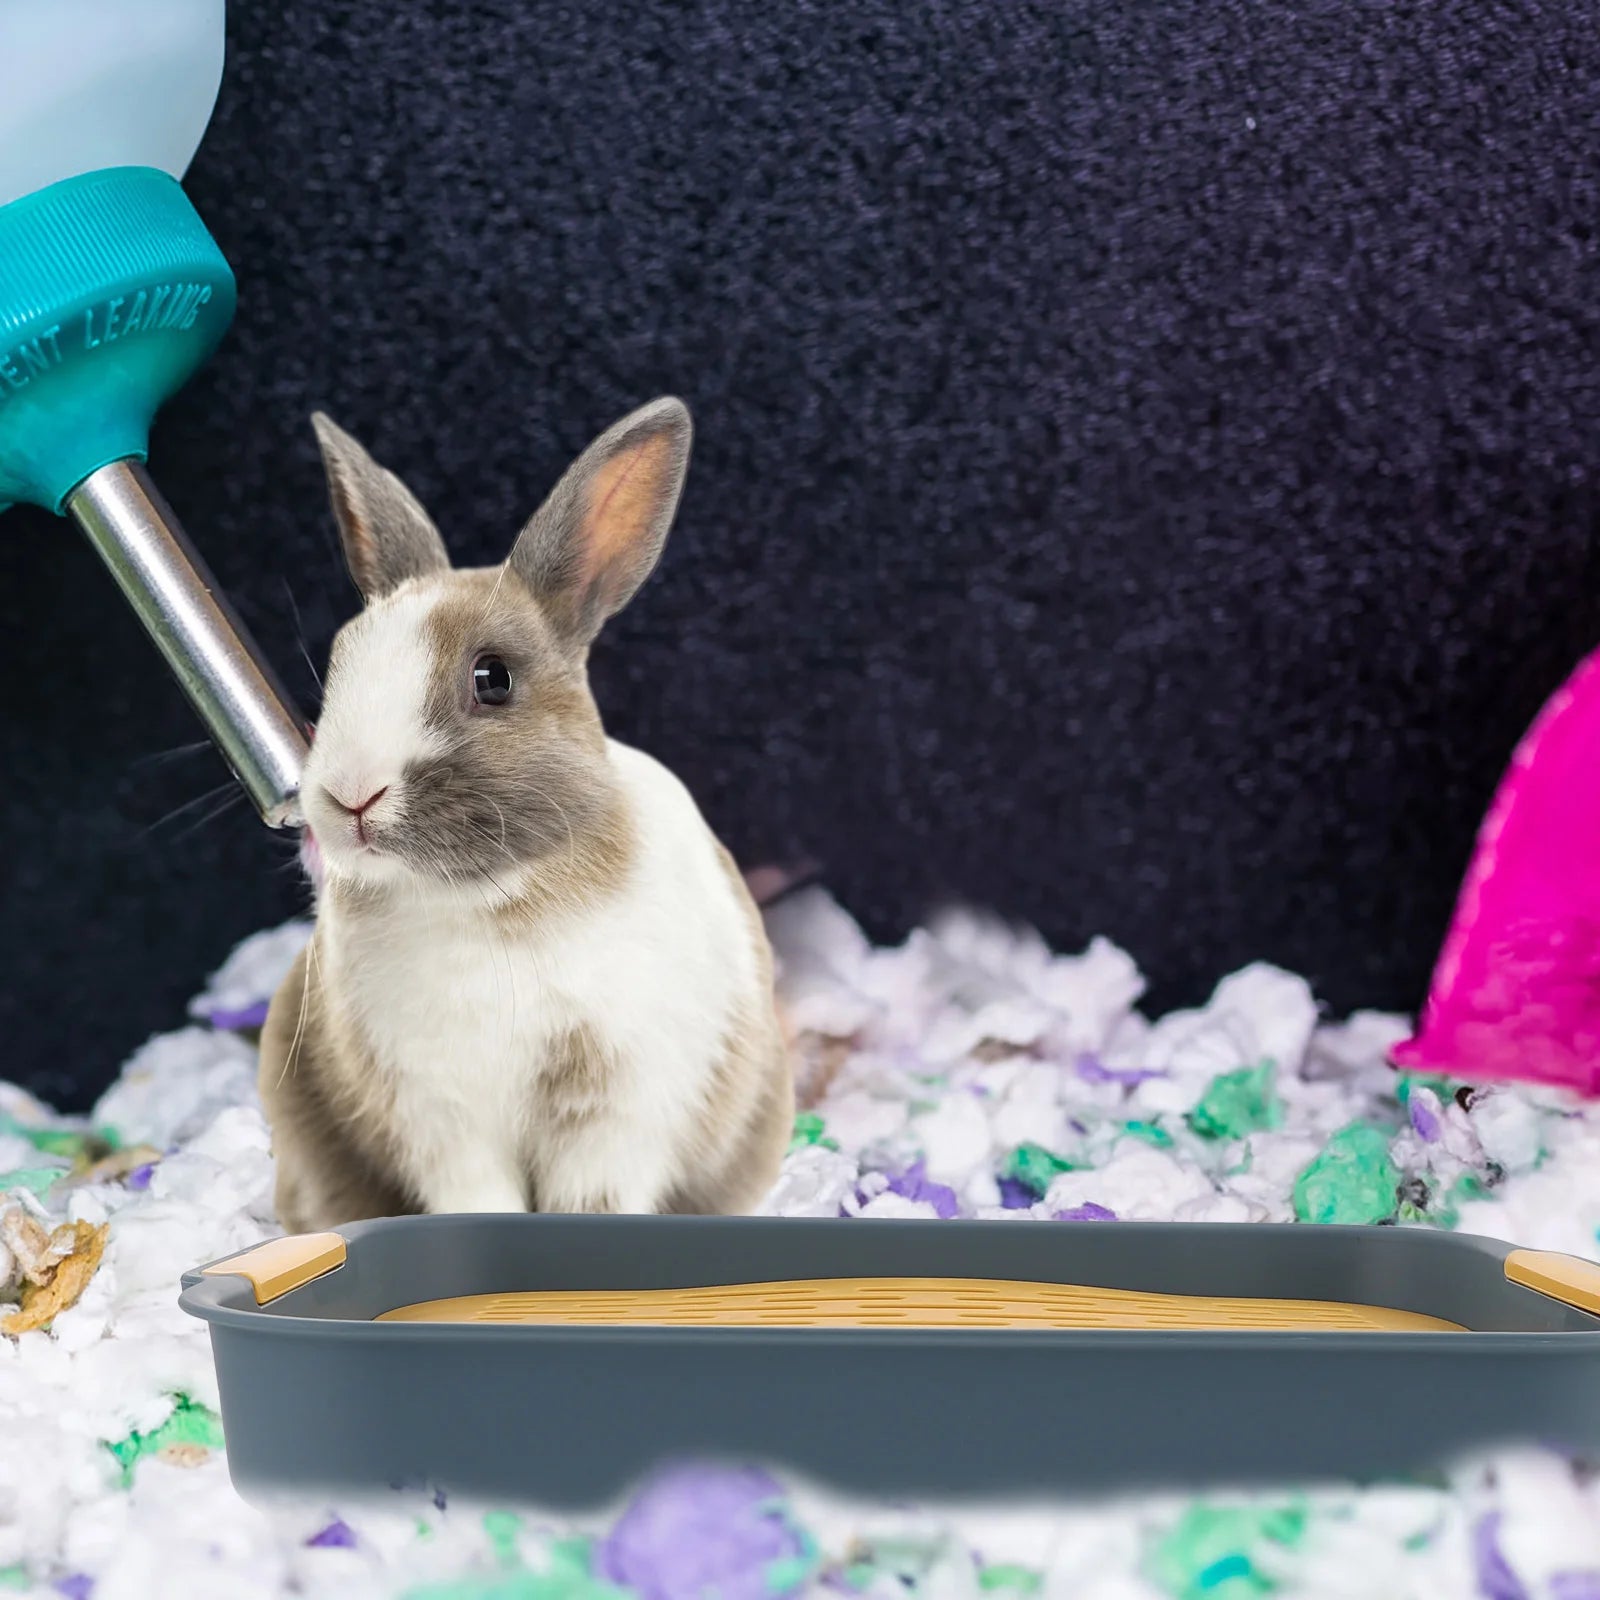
(491, 681)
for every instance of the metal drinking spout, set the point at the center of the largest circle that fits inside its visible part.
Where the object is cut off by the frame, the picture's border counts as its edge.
(251, 719)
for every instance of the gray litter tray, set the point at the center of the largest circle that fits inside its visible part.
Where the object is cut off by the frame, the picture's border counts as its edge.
(1354, 1371)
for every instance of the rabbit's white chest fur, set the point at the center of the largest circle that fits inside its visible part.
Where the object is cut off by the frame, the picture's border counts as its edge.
(466, 1021)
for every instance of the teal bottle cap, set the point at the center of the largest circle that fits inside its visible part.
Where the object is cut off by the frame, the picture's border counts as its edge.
(112, 295)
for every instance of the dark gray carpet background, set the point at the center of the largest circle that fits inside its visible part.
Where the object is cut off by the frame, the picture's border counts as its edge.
(1145, 478)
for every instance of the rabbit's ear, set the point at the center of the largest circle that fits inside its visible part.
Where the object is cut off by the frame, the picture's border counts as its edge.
(387, 535)
(587, 549)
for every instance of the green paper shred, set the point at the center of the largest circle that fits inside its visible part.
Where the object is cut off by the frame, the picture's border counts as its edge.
(502, 1528)
(502, 1586)
(36, 1180)
(190, 1423)
(810, 1129)
(560, 1583)
(1033, 1167)
(1018, 1580)
(1214, 1553)
(569, 1575)
(574, 1555)
(59, 1142)
(787, 1574)
(80, 1147)
(1238, 1103)
(1150, 1132)
(1354, 1180)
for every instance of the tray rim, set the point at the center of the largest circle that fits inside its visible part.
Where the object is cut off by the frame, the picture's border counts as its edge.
(224, 1301)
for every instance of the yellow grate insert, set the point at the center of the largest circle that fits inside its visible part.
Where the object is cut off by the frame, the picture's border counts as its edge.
(913, 1303)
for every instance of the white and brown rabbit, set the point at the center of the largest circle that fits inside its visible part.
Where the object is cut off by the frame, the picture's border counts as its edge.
(537, 981)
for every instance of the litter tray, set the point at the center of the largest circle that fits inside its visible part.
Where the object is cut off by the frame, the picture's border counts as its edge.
(556, 1359)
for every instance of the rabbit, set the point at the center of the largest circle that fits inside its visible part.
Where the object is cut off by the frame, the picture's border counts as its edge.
(536, 980)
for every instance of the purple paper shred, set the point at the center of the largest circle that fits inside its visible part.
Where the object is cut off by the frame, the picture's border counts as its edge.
(696, 1531)
(140, 1177)
(1575, 1585)
(1087, 1212)
(1496, 1580)
(914, 1184)
(1423, 1120)
(251, 1016)
(76, 1586)
(1093, 1070)
(338, 1535)
(1015, 1196)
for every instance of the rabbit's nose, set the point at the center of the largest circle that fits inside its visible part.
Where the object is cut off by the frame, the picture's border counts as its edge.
(365, 806)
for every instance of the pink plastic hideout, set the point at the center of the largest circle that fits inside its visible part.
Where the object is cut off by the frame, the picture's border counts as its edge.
(1516, 992)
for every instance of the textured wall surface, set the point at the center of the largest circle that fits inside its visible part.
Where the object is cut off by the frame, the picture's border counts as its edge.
(1145, 476)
